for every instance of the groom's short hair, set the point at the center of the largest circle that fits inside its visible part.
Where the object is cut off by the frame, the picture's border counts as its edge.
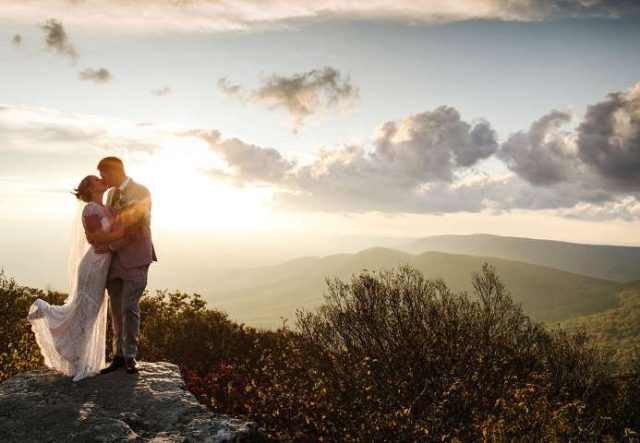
(111, 164)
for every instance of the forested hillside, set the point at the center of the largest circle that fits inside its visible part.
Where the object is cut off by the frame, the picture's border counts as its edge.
(263, 296)
(616, 330)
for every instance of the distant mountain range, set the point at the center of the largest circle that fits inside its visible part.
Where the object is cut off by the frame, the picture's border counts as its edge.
(262, 296)
(617, 263)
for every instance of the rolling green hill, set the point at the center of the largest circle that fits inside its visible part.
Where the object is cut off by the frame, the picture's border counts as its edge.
(617, 263)
(261, 296)
(617, 329)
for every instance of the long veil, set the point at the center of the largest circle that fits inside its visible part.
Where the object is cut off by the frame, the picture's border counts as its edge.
(78, 246)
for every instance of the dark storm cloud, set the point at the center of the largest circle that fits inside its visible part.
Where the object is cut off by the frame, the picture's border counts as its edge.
(57, 40)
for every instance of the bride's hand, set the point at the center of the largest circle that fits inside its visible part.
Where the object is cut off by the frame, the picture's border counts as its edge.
(91, 239)
(96, 237)
(102, 248)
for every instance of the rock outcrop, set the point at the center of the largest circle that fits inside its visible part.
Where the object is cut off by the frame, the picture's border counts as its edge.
(152, 406)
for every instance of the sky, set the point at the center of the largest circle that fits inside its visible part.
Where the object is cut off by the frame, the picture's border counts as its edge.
(269, 130)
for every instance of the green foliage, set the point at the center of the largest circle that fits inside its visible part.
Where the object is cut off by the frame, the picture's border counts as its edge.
(615, 330)
(178, 327)
(388, 356)
(18, 351)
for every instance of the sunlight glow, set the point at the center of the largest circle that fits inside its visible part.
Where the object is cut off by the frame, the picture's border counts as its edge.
(185, 197)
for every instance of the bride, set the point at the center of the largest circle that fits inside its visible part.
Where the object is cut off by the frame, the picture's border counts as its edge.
(72, 336)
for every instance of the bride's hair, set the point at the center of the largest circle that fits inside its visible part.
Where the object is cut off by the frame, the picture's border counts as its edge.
(84, 189)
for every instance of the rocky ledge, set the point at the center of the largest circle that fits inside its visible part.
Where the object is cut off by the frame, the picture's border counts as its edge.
(152, 406)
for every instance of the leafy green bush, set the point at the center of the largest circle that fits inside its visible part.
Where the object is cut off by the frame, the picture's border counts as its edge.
(178, 327)
(18, 350)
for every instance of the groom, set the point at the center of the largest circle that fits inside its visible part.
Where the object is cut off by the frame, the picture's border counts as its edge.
(130, 203)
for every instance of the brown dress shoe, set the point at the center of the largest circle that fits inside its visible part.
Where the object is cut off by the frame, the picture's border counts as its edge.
(117, 362)
(131, 365)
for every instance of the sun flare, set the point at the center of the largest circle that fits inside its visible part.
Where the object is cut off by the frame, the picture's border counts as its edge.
(186, 196)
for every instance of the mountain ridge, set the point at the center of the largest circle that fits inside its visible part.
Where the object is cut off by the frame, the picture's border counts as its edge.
(610, 262)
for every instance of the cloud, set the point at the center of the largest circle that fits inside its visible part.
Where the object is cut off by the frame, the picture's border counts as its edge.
(608, 139)
(542, 155)
(555, 9)
(161, 92)
(625, 208)
(301, 95)
(229, 88)
(213, 15)
(432, 145)
(413, 161)
(249, 163)
(57, 40)
(97, 76)
(433, 162)
(603, 151)
(36, 130)
(16, 40)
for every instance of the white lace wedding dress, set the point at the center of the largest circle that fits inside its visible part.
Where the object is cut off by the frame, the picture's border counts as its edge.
(72, 336)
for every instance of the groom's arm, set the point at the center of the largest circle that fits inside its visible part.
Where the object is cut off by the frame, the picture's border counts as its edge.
(141, 209)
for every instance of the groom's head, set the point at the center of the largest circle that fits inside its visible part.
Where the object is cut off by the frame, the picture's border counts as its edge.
(112, 171)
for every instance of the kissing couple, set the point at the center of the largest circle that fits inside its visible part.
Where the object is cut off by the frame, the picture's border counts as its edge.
(113, 252)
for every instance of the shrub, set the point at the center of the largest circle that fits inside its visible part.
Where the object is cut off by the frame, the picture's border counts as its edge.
(178, 327)
(395, 357)
(389, 356)
(18, 350)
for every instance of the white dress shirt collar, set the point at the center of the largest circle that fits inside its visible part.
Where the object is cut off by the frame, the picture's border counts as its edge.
(124, 184)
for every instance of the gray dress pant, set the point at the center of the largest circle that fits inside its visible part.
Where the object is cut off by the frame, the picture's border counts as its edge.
(125, 287)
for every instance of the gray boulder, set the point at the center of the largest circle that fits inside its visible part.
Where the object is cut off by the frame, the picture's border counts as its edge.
(152, 406)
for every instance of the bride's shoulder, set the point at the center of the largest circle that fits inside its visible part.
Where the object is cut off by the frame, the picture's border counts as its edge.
(92, 208)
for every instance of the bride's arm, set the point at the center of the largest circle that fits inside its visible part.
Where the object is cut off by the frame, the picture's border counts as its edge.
(98, 235)
(101, 229)
(109, 231)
